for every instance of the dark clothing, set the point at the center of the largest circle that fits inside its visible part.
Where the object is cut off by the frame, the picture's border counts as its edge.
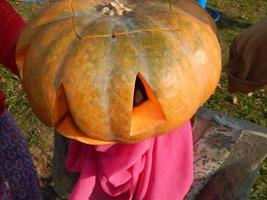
(18, 178)
(247, 68)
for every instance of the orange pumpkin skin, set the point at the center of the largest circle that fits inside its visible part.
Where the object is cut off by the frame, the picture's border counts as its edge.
(79, 68)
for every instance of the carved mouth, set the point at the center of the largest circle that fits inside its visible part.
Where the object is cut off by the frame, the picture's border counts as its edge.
(147, 114)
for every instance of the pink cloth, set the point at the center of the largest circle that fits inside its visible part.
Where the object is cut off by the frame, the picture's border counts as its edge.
(156, 169)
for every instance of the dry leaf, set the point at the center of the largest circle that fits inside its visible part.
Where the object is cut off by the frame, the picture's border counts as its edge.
(2, 80)
(250, 94)
(235, 100)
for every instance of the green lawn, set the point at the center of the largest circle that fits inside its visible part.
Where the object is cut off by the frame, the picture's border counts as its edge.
(236, 16)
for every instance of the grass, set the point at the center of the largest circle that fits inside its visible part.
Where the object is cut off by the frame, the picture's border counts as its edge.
(236, 16)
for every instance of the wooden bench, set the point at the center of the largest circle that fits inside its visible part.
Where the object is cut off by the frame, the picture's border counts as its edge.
(227, 154)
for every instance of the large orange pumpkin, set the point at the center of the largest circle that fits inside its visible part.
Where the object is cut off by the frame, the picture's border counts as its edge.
(102, 71)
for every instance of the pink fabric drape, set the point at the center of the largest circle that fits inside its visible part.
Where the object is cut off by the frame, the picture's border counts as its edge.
(156, 169)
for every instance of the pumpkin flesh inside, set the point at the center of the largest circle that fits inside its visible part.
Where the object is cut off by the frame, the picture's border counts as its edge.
(147, 114)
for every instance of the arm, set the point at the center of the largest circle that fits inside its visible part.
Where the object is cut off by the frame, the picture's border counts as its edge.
(11, 25)
(247, 69)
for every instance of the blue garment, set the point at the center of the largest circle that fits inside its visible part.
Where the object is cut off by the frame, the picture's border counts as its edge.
(18, 179)
(203, 3)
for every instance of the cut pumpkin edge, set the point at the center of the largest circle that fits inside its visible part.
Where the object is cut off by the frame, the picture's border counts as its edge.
(149, 114)
(69, 129)
(65, 124)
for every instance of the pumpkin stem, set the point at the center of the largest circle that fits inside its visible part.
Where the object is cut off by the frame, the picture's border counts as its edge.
(115, 7)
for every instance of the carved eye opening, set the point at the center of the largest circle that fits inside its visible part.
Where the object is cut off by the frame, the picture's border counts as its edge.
(140, 95)
(147, 111)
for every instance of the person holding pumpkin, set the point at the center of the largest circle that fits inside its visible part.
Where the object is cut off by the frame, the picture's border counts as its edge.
(18, 179)
(151, 167)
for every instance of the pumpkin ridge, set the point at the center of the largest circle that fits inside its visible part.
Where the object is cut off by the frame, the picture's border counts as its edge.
(90, 66)
(186, 50)
(50, 96)
(74, 29)
(59, 72)
(107, 62)
(174, 39)
(142, 54)
(37, 28)
(120, 118)
(26, 40)
(140, 46)
(150, 52)
(51, 45)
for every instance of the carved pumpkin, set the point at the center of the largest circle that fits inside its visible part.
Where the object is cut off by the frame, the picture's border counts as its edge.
(102, 72)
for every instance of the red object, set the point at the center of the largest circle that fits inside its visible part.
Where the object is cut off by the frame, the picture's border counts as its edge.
(2, 103)
(11, 25)
(158, 168)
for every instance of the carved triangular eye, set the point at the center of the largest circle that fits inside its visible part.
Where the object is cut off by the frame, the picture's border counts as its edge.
(147, 111)
(140, 95)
